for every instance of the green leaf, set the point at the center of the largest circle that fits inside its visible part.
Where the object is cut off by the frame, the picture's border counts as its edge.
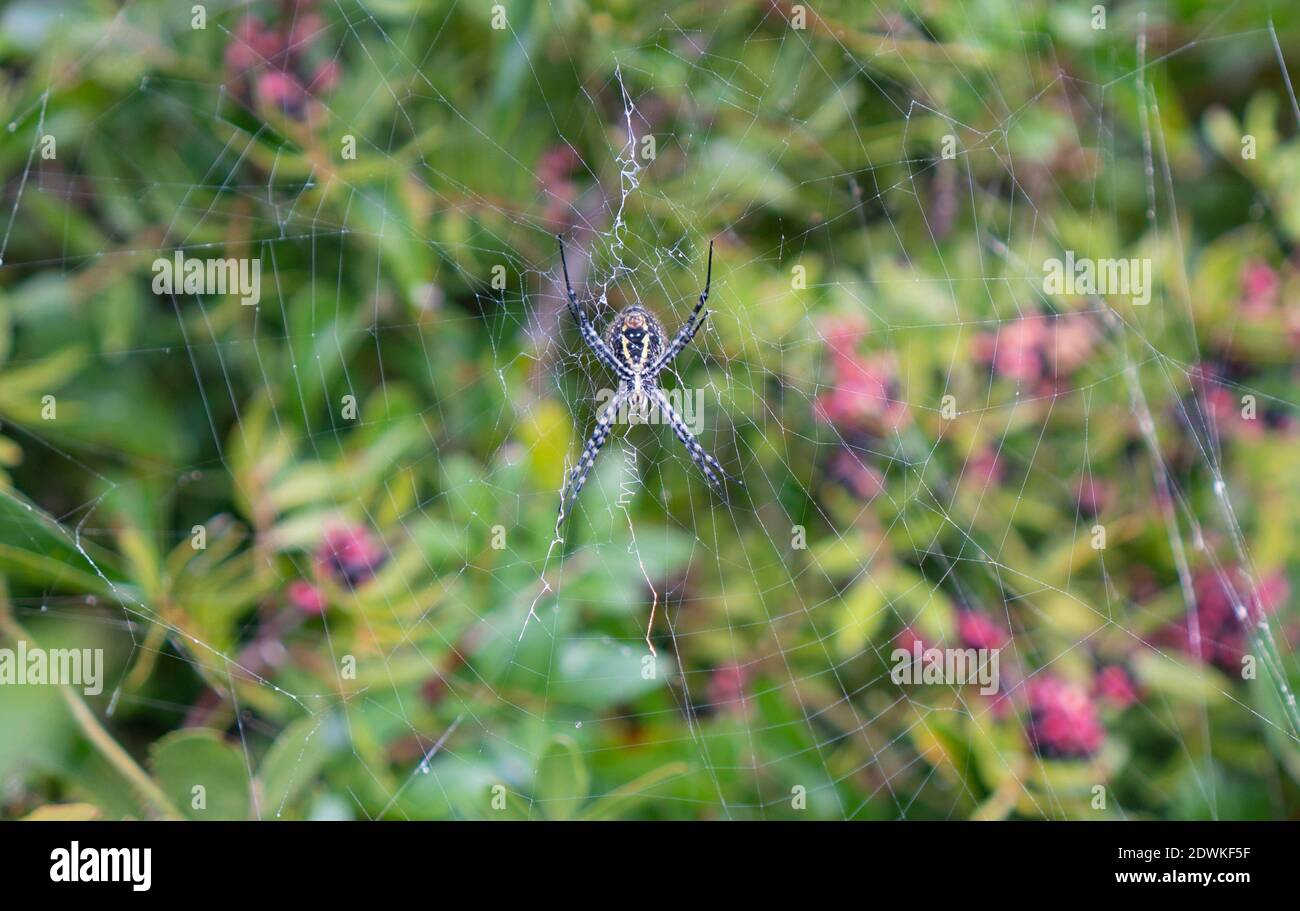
(190, 759)
(596, 674)
(562, 779)
(862, 612)
(1181, 682)
(619, 802)
(35, 548)
(293, 761)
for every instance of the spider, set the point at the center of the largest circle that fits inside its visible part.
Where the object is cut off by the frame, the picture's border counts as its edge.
(633, 350)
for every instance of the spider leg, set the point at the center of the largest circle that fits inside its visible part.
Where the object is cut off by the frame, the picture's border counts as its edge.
(692, 325)
(707, 463)
(589, 335)
(578, 474)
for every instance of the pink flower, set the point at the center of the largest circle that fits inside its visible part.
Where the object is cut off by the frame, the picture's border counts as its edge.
(1000, 705)
(979, 630)
(1260, 287)
(325, 78)
(912, 642)
(306, 597)
(306, 28)
(351, 555)
(1063, 721)
(727, 688)
(251, 45)
(1037, 348)
(556, 163)
(242, 51)
(1092, 495)
(272, 63)
(1115, 686)
(1071, 342)
(984, 469)
(862, 392)
(1223, 636)
(907, 639)
(843, 334)
(1015, 349)
(1222, 405)
(278, 89)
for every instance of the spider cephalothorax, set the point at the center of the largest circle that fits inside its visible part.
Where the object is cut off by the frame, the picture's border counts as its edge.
(633, 349)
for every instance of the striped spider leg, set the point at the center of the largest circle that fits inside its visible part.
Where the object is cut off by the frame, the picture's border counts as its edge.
(578, 474)
(589, 335)
(713, 472)
(692, 326)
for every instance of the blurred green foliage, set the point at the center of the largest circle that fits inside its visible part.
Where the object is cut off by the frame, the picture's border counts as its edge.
(816, 149)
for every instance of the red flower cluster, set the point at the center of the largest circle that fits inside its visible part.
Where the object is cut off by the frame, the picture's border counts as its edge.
(1036, 349)
(984, 469)
(979, 630)
(306, 597)
(349, 555)
(274, 61)
(1261, 295)
(1063, 720)
(727, 689)
(1091, 495)
(907, 639)
(863, 392)
(1114, 685)
(1223, 637)
(1260, 288)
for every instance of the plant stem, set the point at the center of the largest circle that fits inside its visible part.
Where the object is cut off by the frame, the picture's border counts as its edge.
(95, 732)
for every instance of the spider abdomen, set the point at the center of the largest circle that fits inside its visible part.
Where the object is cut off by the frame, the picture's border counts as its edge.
(636, 338)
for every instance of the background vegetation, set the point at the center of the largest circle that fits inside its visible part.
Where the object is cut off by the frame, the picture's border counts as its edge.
(332, 537)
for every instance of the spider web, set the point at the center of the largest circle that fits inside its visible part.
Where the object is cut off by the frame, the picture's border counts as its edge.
(860, 277)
